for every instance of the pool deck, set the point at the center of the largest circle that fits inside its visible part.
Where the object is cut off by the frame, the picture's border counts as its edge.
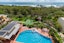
(23, 28)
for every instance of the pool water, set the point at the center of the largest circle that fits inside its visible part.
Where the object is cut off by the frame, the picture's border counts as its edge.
(29, 36)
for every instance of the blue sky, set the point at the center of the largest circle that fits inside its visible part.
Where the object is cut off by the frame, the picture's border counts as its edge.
(31, 0)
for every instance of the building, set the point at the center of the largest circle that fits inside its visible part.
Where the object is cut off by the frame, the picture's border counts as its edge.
(61, 22)
(9, 30)
(3, 18)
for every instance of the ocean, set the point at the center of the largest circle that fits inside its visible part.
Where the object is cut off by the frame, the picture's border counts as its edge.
(33, 3)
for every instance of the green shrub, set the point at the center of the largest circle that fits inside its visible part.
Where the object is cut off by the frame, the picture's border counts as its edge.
(55, 35)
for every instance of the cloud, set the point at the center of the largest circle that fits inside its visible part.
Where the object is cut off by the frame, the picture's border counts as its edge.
(4, 0)
(21, 0)
(28, 0)
(31, 0)
(56, 0)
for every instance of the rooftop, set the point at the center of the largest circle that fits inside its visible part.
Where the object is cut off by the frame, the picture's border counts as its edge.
(9, 30)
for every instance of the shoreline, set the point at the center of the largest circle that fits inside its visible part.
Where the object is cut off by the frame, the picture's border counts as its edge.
(32, 5)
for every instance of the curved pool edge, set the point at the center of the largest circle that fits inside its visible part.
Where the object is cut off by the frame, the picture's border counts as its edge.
(36, 32)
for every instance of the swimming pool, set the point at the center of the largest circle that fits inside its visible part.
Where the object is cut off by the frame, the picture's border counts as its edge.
(29, 36)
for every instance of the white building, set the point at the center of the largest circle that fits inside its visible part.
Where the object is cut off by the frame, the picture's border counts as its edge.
(61, 22)
(9, 30)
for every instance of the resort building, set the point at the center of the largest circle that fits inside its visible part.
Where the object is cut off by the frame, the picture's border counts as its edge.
(4, 18)
(61, 22)
(9, 30)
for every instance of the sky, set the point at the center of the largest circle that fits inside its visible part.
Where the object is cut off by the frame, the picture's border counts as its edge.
(31, 0)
